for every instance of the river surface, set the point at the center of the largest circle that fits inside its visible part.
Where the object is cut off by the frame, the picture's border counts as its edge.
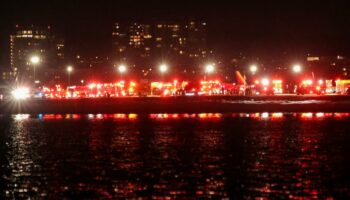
(191, 156)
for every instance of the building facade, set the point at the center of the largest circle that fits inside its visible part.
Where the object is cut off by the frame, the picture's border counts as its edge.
(181, 44)
(132, 43)
(32, 41)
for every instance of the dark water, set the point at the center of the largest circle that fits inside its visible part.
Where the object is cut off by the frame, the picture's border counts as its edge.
(230, 156)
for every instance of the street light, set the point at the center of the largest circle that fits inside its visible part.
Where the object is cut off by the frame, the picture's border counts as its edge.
(34, 60)
(122, 69)
(209, 69)
(163, 68)
(253, 69)
(69, 70)
(296, 68)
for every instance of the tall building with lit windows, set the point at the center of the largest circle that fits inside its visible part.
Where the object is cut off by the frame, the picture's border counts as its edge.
(196, 39)
(132, 42)
(181, 43)
(169, 39)
(28, 41)
(184, 41)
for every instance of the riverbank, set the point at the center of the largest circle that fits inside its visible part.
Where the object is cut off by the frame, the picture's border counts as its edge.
(217, 104)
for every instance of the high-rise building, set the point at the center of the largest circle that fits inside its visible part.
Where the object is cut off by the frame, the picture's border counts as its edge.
(120, 41)
(196, 38)
(132, 42)
(169, 39)
(181, 43)
(30, 41)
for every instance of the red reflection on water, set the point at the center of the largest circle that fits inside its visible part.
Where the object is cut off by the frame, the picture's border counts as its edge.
(243, 115)
(320, 115)
(209, 116)
(341, 115)
(132, 116)
(118, 116)
(165, 116)
(260, 116)
(52, 117)
(186, 115)
(202, 116)
(99, 116)
(75, 116)
(328, 114)
(277, 115)
(255, 115)
(159, 116)
(306, 115)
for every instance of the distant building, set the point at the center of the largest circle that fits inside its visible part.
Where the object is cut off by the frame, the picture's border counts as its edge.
(6, 75)
(169, 39)
(132, 43)
(332, 67)
(30, 41)
(146, 44)
(196, 39)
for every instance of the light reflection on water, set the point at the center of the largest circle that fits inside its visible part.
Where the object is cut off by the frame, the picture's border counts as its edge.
(177, 116)
(205, 155)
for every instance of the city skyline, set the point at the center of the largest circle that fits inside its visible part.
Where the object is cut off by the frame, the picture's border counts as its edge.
(294, 28)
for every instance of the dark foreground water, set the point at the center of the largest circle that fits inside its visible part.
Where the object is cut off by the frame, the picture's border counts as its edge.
(220, 156)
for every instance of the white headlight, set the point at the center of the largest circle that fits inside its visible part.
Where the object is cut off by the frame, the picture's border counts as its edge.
(20, 93)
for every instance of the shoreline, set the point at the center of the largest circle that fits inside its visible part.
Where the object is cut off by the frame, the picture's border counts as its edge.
(207, 104)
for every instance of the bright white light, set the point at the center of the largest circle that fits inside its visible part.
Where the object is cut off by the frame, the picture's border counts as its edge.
(69, 69)
(163, 68)
(20, 93)
(297, 68)
(253, 68)
(20, 117)
(265, 115)
(209, 68)
(122, 68)
(265, 81)
(35, 60)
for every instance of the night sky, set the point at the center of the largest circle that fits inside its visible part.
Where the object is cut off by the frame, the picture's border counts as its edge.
(260, 28)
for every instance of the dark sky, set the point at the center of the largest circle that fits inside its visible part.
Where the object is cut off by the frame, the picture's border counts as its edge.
(261, 27)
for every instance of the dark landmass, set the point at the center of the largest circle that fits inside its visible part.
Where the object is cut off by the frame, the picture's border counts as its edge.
(196, 104)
